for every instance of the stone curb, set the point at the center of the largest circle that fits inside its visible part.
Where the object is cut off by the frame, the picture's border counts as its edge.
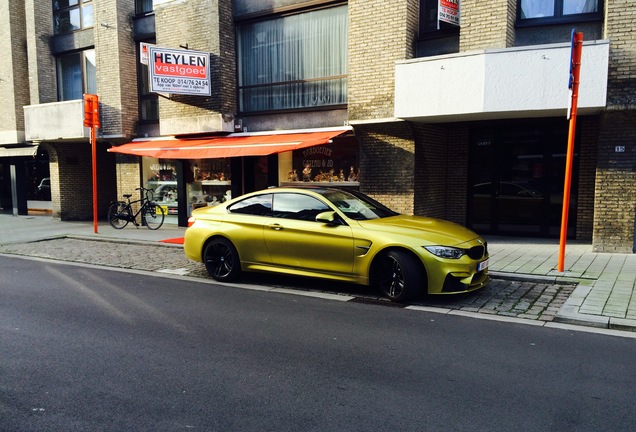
(95, 238)
(523, 277)
(123, 241)
(569, 314)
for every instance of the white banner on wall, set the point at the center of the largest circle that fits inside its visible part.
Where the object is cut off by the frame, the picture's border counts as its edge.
(179, 71)
(448, 11)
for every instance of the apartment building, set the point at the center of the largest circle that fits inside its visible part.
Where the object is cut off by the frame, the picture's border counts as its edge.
(452, 109)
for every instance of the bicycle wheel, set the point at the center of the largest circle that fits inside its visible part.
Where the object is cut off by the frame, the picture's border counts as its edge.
(118, 214)
(153, 215)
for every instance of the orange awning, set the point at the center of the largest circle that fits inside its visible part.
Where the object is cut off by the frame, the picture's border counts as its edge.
(232, 145)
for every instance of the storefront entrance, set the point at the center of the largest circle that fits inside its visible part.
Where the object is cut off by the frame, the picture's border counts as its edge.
(25, 184)
(516, 179)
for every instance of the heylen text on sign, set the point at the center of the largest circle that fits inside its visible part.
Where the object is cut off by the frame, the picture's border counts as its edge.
(179, 71)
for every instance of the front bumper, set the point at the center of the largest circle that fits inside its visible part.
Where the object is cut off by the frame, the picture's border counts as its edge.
(455, 284)
(466, 274)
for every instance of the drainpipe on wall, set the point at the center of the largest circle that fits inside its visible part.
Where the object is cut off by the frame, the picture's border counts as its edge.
(182, 203)
(14, 190)
(18, 188)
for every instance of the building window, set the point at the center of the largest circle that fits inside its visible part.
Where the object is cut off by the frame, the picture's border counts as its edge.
(76, 75)
(554, 11)
(71, 15)
(143, 6)
(436, 36)
(295, 61)
(148, 102)
(430, 20)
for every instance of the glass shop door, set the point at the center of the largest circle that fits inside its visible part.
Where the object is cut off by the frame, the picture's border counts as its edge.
(516, 181)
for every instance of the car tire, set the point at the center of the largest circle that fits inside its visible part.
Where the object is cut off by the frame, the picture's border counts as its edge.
(222, 260)
(399, 276)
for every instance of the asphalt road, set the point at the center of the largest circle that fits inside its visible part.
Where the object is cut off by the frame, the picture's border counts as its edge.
(100, 350)
(523, 299)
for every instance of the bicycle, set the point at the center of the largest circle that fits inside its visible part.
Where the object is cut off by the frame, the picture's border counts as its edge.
(121, 212)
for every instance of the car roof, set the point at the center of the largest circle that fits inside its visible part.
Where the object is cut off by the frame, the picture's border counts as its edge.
(312, 188)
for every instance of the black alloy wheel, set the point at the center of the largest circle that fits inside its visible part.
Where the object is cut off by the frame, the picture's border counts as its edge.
(398, 275)
(222, 260)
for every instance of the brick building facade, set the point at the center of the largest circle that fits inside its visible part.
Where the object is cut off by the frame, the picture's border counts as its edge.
(615, 189)
(421, 150)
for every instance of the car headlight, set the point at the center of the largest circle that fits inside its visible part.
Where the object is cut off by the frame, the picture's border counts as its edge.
(445, 251)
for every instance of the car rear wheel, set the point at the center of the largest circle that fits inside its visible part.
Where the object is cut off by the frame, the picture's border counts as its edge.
(222, 260)
(398, 276)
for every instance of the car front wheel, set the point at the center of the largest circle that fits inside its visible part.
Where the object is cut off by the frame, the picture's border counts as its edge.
(399, 276)
(222, 260)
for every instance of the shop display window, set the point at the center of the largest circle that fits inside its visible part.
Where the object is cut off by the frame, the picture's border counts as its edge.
(336, 163)
(208, 182)
(161, 177)
(212, 181)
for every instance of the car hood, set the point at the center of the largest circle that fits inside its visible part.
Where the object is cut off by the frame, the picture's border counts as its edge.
(432, 231)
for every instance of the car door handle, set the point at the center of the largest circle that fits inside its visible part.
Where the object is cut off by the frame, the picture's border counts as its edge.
(276, 227)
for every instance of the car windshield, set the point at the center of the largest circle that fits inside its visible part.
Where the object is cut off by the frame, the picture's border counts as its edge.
(356, 205)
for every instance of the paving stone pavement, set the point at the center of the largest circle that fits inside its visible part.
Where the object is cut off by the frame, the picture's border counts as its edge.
(510, 298)
(531, 300)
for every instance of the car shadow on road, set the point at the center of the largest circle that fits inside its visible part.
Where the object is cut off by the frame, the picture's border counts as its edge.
(500, 297)
(308, 284)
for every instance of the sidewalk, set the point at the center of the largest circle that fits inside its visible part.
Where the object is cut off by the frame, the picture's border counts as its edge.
(24, 229)
(604, 296)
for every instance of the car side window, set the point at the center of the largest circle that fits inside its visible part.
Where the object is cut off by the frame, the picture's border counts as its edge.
(260, 205)
(298, 206)
(508, 189)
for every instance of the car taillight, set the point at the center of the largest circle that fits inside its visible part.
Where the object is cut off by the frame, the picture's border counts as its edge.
(191, 221)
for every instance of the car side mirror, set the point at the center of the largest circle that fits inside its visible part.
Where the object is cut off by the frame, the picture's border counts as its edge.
(328, 217)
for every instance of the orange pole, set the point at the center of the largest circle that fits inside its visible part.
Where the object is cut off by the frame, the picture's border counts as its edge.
(91, 120)
(94, 149)
(577, 48)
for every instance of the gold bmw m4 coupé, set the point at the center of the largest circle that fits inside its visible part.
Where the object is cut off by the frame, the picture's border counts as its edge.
(339, 235)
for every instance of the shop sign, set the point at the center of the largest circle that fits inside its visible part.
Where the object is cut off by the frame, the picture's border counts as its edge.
(448, 11)
(179, 71)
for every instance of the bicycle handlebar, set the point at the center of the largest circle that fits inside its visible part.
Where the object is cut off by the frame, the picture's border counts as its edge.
(149, 193)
